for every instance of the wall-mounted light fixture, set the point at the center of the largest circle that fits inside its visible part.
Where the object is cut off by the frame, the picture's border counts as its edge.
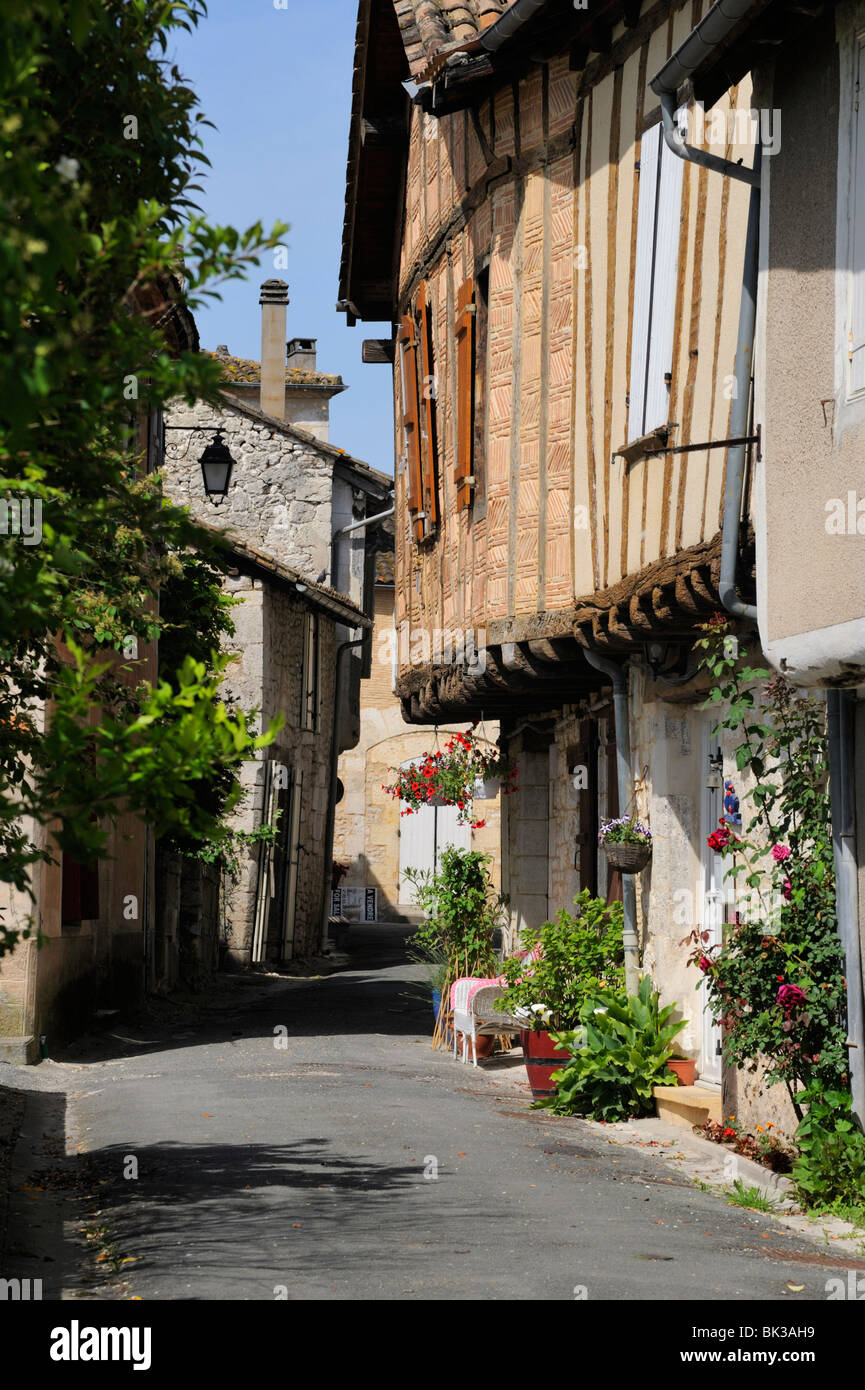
(216, 465)
(716, 768)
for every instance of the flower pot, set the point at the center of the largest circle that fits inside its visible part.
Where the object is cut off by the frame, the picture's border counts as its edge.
(542, 1059)
(484, 1047)
(685, 1069)
(486, 788)
(628, 859)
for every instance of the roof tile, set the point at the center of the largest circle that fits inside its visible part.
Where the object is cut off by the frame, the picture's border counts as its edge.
(430, 27)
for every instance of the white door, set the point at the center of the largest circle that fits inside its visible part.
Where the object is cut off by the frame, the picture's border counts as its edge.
(711, 909)
(422, 838)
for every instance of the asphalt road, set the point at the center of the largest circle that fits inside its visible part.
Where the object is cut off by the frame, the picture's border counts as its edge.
(302, 1141)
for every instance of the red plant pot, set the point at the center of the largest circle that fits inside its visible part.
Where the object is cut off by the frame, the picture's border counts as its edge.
(542, 1059)
(685, 1069)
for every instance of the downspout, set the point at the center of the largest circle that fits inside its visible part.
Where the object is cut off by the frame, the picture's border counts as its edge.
(715, 25)
(619, 677)
(334, 778)
(842, 714)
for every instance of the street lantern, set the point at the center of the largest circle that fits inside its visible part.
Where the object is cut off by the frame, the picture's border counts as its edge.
(216, 465)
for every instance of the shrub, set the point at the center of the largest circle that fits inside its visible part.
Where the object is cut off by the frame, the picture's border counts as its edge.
(577, 955)
(619, 1054)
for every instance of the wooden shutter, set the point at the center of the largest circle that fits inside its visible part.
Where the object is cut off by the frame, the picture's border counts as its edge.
(465, 332)
(427, 409)
(407, 342)
(655, 274)
(857, 320)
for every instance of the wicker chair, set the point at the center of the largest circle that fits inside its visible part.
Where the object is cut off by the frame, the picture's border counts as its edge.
(479, 1017)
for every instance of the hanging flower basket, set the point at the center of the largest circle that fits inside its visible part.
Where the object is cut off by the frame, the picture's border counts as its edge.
(627, 843)
(468, 767)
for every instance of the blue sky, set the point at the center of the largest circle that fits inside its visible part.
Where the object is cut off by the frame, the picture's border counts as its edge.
(277, 85)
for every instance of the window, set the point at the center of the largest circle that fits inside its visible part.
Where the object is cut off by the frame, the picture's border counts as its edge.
(655, 273)
(310, 695)
(418, 405)
(79, 893)
(857, 304)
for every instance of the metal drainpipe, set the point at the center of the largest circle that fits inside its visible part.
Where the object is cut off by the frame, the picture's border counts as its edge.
(619, 677)
(735, 474)
(334, 778)
(842, 713)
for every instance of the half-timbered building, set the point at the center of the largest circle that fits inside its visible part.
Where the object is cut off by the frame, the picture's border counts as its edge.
(566, 287)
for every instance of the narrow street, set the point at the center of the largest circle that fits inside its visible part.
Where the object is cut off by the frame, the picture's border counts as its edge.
(300, 1165)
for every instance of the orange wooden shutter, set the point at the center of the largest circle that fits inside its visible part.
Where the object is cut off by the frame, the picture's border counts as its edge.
(428, 439)
(465, 331)
(406, 341)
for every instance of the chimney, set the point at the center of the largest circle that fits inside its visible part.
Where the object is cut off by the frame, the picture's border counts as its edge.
(273, 301)
(302, 353)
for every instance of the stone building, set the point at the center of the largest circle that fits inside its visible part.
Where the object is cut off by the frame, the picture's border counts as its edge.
(294, 516)
(566, 283)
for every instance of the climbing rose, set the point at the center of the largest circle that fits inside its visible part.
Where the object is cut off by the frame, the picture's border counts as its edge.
(790, 997)
(719, 838)
(780, 853)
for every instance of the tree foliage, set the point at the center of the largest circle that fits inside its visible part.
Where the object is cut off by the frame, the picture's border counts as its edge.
(102, 253)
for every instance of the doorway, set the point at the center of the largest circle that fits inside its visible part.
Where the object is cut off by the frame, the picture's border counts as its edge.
(423, 836)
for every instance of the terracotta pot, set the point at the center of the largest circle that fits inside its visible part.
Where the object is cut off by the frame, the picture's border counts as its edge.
(685, 1069)
(542, 1059)
(628, 859)
(484, 1046)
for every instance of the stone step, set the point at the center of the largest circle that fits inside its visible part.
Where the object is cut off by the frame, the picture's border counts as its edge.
(687, 1105)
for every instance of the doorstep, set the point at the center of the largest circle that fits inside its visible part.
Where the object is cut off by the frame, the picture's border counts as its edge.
(687, 1105)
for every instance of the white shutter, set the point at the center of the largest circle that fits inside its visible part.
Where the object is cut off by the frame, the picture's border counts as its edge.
(857, 323)
(655, 273)
(643, 271)
(663, 317)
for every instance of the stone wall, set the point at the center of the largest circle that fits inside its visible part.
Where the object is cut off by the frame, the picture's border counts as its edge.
(279, 496)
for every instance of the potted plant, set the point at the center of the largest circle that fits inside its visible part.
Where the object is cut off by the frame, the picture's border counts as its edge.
(467, 767)
(564, 961)
(627, 843)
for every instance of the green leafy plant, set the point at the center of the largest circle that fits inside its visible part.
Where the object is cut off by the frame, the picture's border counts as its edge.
(752, 1197)
(830, 1169)
(619, 1054)
(463, 912)
(564, 961)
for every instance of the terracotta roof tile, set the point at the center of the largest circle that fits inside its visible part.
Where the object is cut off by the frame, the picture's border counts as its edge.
(245, 370)
(430, 27)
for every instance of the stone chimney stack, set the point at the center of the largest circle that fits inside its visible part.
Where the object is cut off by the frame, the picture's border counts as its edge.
(274, 302)
(302, 353)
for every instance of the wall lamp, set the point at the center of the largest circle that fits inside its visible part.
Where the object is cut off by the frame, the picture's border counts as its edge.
(216, 465)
